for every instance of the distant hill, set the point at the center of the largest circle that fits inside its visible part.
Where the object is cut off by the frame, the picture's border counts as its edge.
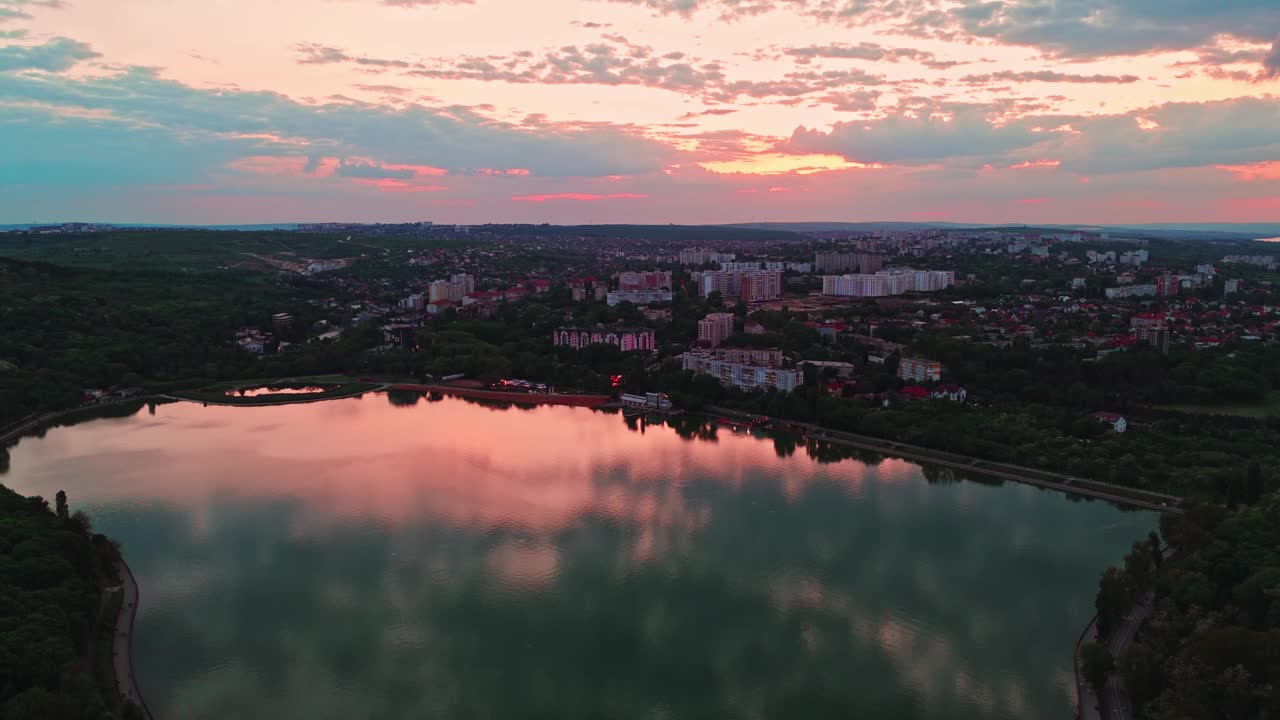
(803, 227)
(158, 226)
(1184, 231)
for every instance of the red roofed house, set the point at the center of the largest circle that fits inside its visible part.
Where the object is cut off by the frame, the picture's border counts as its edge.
(1115, 420)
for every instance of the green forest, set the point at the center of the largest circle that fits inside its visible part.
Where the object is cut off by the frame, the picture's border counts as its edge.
(1211, 647)
(55, 623)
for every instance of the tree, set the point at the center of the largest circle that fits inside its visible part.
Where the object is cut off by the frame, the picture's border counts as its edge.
(1115, 598)
(1140, 668)
(1096, 664)
(61, 500)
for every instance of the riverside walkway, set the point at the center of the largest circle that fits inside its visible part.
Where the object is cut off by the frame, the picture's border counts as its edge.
(122, 642)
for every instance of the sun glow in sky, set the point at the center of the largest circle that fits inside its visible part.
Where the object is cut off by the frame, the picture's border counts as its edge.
(1110, 111)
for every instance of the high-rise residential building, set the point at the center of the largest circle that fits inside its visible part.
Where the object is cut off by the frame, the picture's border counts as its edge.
(1168, 284)
(761, 286)
(627, 339)
(741, 375)
(1231, 287)
(463, 285)
(601, 291)
(887, 282)
(281, 322)
(440, 290)
(752, 286)
(645, 280)
(838, 262)
(741, 266)
(1156, 335)
(715, 328)
(918, 369)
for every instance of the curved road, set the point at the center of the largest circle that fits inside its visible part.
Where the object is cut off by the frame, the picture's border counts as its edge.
(122, 643)
(1116, 699)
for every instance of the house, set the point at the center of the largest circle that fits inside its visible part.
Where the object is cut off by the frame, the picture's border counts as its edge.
(954, 393)
(253, 345)
(1115, 420)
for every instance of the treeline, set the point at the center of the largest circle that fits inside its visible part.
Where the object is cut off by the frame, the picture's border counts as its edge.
(1211, 648)
(1189, 455)
(52, 573)
(69, 329)
(1133, 378)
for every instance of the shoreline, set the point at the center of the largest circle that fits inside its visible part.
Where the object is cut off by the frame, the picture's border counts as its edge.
(1131, 497)
(590, 401)
(269, 400)
(122, 641)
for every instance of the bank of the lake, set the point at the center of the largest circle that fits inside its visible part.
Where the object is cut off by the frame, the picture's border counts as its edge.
(390, 555)
(280, 393)
(59, 606)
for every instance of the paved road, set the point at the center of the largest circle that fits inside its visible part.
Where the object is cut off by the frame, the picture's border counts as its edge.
(1117, 700)
(122, 644)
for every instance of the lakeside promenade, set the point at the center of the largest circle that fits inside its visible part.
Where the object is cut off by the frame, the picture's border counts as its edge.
(122, 641)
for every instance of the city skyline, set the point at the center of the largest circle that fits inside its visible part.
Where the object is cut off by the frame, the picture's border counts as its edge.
(603, 111)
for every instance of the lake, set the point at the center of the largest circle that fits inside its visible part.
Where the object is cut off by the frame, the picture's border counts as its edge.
(394, 557)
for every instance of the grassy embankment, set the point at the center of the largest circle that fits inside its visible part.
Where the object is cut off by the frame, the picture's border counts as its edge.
(1269, 407)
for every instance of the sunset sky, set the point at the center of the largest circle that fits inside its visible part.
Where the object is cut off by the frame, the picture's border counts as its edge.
(656, 111)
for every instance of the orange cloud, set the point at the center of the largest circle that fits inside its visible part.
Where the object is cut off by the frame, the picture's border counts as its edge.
(1035, 164)
(780, 163)
(1265, 170)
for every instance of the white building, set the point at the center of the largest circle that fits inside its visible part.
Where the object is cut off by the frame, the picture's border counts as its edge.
(919, 369)
(638, 297)
(887, 282)
(1130, 291)
(746, 377)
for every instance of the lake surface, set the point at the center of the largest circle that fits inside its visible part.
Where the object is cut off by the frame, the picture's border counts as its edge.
(378, 557)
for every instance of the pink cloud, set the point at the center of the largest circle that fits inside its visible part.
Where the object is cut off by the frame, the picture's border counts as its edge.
(288, 165)
(582, 197)
(1032, 201)
(399, 186)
